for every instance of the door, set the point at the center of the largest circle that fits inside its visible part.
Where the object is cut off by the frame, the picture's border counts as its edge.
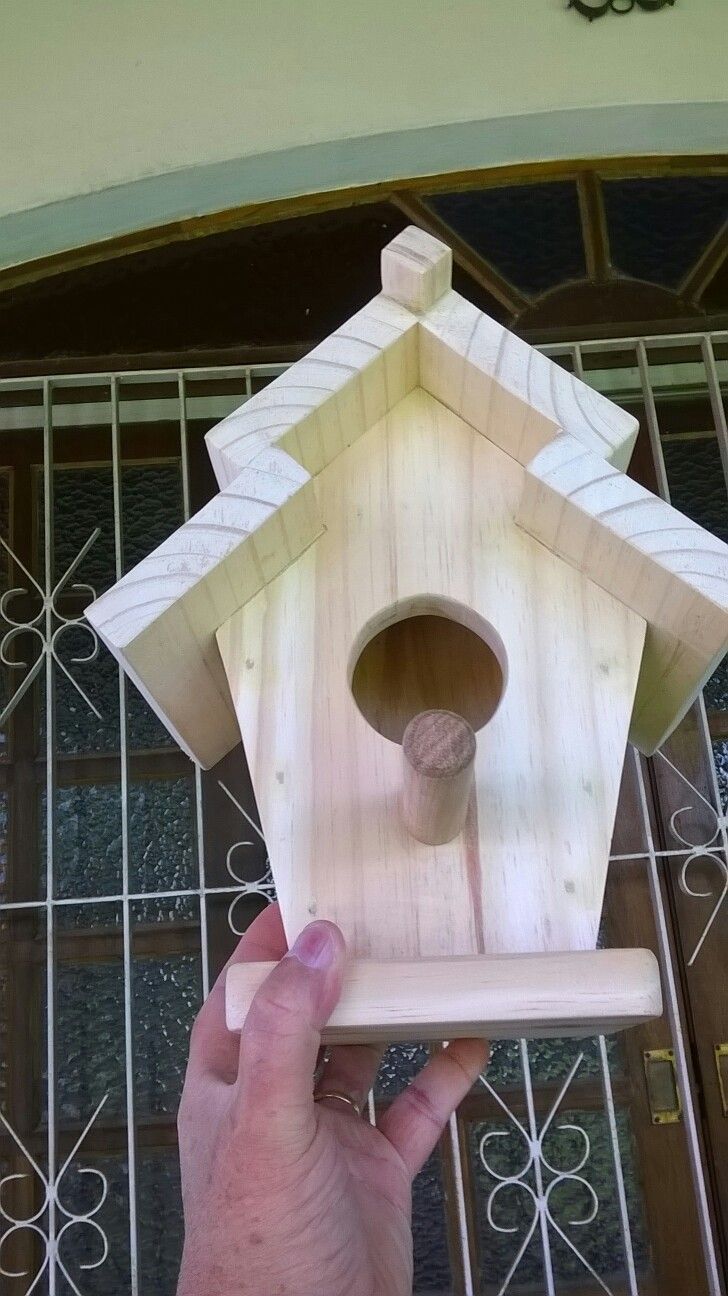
(571, 1167)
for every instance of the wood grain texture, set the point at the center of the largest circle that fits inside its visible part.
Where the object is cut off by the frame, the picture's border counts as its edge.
(531, 996)
(418, 518)
(160, 620)
(511, 393)
(438, 750)
(652, 558)
(416, 269)
(324, 402)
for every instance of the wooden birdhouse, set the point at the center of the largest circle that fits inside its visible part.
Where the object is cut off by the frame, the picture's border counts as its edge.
(436, 609)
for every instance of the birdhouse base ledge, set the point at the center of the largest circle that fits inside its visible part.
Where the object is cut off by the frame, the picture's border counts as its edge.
(576, 993)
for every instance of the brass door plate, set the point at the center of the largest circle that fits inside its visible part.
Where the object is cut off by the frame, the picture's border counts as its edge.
(663, 1094)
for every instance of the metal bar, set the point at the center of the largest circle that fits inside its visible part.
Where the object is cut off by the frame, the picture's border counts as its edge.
(268, 370)
(462, 1214)
(126, 912)
(653, 426)
(672, 1007)
(537, 1171)
(199, 822)
(617, 1161)
(50, 826)
(716, 401)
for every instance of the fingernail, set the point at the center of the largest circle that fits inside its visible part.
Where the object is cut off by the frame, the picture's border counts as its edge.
(314, 946)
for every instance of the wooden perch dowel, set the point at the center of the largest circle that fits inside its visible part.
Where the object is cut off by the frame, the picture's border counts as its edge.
(578, 993)
(438, 759)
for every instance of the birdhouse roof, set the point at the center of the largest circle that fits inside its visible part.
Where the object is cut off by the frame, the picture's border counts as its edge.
(160, 620)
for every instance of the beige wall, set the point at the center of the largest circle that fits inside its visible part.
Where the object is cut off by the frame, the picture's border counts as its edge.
(100, 93)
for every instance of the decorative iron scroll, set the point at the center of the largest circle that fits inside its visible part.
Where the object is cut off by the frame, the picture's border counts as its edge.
(592, 9)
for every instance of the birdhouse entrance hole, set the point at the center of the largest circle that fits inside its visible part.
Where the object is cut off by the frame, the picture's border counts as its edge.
(435, 655)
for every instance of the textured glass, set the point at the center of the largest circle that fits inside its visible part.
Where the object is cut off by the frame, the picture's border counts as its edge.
(160, 1221)
(720, 756)
(530, 233)
(598, 1242)
(90, 1040)
(400, 1064)
(166, 996)
(77, 729)
(697, 487)
(81, 1244)
(658, 227)
(83, 499)
(696, 480)
(429, 1230)
(151, 510)
(550, 1060)
(162, 838)
(151, 501)
(88, 840)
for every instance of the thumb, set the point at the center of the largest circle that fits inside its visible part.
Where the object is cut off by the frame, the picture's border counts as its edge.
(281, 1037)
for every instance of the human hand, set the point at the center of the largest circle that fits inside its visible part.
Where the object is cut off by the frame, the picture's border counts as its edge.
(287, 1197)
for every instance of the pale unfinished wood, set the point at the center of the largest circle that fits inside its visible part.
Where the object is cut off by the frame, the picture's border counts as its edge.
(510, 392)
(655, 560)
(160, 619)
(531, 996)
(438, 761)
(418, 517)
(416, 269)
(329, 398)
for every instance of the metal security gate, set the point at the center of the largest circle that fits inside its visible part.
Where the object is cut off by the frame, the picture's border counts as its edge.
(126, 873)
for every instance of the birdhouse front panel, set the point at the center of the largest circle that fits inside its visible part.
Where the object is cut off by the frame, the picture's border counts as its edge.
(435, 607)
(422, 591)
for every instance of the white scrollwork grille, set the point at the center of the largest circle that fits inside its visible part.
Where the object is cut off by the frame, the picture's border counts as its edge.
(40, 610)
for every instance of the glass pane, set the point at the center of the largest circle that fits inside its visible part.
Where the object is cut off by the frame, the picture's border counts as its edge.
(166, 996)
(550, 1060)
(577, 1195)
(88, 840)
(82, 1244)
(90, 1040)
(720, 756)
(161, 1231)
(429, 1230)
(78, 730)
(151, 501)
(530, 233)
(162, 835)
(400, 1064)
(698, 488)
(83, 499)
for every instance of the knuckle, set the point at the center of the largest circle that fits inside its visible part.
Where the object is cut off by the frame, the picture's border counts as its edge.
(274, 1013)
(422, 1106)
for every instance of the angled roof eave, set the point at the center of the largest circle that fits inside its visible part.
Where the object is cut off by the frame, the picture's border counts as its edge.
(648, 555)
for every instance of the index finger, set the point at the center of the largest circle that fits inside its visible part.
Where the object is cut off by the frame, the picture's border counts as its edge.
(213, 1050)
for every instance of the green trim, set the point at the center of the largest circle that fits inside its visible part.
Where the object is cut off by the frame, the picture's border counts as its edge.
(615, 131)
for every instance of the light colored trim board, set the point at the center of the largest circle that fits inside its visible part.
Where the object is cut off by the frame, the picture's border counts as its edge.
(322, 404)
(581, 993)
(160, 619)
(510, 392)
(665, 567)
